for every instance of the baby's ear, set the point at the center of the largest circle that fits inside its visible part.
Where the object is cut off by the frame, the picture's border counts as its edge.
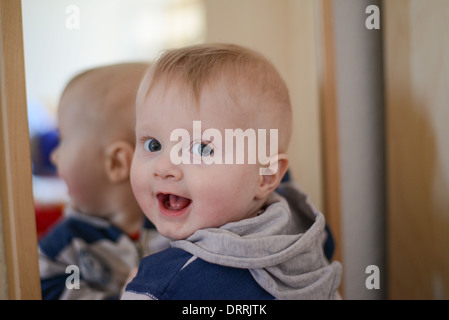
(271, 176)
(118, 160)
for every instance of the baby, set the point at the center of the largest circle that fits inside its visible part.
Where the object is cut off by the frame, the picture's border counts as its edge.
(233, 236)
(90, 254)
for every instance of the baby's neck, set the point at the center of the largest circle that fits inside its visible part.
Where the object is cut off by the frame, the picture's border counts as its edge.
(129, 221)
(125, 212)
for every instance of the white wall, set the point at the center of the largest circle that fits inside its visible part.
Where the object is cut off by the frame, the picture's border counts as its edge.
(110, 31)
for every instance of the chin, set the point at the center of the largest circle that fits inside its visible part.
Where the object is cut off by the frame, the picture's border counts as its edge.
(174, 234)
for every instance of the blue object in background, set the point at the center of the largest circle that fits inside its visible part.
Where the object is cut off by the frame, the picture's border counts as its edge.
(44, 136)
(48, 141)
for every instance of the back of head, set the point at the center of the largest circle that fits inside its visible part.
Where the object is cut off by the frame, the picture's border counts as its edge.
(251, 81)
(107, 96)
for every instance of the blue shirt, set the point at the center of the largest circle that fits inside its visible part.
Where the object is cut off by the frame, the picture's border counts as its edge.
(174, 274)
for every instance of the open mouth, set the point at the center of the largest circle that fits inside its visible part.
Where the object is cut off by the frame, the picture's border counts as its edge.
(171, 204)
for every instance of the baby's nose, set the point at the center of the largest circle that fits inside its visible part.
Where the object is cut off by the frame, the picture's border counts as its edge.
(165, 169)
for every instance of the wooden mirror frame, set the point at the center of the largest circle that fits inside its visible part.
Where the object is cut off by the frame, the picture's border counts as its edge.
(17, 206)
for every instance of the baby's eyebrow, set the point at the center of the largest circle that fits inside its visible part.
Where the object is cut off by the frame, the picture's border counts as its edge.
(143, 128)
(142, 135)
(145, 138)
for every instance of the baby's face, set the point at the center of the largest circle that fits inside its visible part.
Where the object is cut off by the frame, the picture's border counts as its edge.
(182, 198)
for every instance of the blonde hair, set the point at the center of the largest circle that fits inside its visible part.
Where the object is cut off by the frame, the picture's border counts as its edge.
(237, 67)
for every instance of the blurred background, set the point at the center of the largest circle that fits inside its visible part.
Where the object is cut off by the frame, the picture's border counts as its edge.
(371, 111)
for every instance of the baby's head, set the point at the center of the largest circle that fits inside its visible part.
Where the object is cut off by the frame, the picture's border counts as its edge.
(187, 172)
(96, 118)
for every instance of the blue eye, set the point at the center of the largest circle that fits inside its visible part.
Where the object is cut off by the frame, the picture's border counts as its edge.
(203, 149)
(152, 145)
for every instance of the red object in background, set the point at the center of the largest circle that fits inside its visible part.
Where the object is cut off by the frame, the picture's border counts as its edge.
(46, 216)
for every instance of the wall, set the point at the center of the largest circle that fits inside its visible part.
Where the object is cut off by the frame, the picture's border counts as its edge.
(108, 32)
(360, 105)
(284, 31)
(417, 55)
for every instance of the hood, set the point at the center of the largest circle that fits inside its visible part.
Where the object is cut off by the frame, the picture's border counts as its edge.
(282, 247)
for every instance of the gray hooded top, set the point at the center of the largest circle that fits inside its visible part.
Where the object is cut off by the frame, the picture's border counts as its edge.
(282, 247)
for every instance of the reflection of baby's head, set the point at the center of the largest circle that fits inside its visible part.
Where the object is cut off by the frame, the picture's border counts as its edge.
(103, 98)
(253, 89)
(96, 119)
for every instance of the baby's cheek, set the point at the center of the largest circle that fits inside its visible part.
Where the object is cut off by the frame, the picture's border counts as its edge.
(137, 189)
(135, 179)
(78, 191)
(218, 205)
(141, 190)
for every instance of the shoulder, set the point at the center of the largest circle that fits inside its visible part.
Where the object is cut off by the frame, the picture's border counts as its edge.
(176, 274)
(157, 271)
(72, 228)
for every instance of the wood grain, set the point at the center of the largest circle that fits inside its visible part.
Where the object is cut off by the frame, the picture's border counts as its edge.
(330, 129)
(17, 208)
